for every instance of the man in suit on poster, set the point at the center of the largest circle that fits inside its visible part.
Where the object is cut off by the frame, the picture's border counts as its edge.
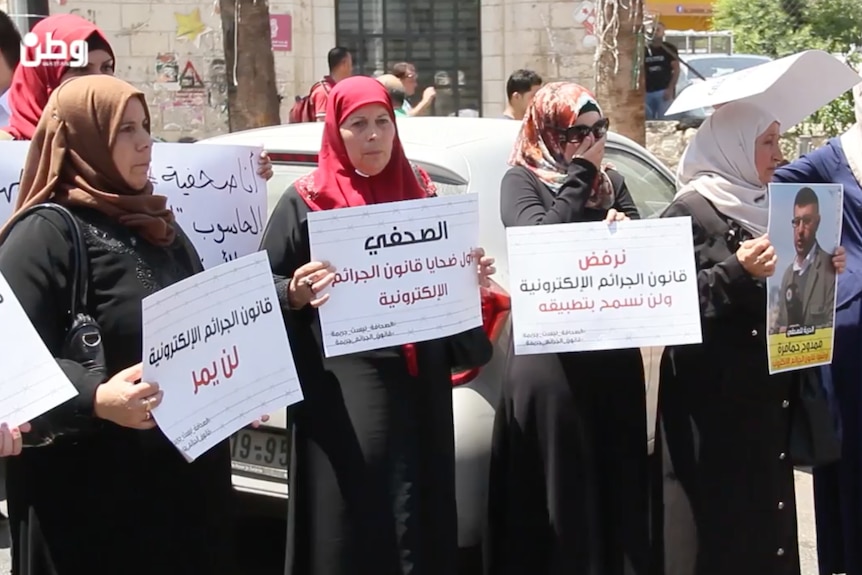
(808, 284)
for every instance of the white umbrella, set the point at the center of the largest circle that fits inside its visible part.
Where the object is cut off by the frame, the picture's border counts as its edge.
(793, 87)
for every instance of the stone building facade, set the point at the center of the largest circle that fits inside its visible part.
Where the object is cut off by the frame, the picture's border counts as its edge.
(173, 50)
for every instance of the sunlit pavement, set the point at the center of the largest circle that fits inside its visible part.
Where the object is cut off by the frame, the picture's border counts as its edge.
(805, 511)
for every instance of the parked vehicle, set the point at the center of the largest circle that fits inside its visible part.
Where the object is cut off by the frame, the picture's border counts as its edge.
(698, 67)
(461, 155)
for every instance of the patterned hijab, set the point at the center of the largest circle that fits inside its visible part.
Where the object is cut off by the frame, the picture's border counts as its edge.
(540, 147)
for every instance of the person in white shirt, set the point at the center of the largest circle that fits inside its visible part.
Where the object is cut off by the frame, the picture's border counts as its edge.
(10, 55)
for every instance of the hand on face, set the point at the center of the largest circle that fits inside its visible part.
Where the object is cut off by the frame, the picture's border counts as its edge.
(589, 149)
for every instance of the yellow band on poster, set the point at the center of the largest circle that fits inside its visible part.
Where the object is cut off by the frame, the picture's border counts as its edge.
(800, 347)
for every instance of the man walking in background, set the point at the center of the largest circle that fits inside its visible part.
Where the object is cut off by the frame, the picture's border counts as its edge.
(661, 61)
(406, 72)
(520, 89)
(396, 92)
(312, 108)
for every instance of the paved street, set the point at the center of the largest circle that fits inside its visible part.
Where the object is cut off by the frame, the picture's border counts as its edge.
(262, 541)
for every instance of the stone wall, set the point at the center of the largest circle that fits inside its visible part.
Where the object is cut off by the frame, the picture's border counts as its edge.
(157, 42)
(667, 142)
(554, 38)
(175, 55)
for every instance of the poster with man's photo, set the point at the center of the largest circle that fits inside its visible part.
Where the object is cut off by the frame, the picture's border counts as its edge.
(805, 230)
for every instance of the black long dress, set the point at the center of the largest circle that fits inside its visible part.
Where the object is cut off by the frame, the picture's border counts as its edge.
(726, 484)
(372, 470)
(105, 499)
(568, 492)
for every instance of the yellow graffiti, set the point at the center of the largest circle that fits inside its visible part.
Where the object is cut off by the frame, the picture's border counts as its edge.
(190, 26)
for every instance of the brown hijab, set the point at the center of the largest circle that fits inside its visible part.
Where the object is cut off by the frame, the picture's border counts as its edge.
(70, 160)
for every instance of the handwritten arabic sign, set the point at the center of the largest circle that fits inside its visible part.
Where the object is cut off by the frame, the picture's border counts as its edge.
(213, 190)
(216, 195)
(804, 230)
(12, 156)
(216, 344)
(590, 286)
(405, 272)
(31, 382)
(52, 52)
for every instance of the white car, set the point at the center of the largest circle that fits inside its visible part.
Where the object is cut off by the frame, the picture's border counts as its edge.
(461, 155)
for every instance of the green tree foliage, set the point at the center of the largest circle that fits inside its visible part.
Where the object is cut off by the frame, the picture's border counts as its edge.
(779, 28)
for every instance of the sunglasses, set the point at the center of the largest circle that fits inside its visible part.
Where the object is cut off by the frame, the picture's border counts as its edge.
(579, 132)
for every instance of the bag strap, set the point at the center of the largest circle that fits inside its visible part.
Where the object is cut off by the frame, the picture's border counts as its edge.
(80, 264)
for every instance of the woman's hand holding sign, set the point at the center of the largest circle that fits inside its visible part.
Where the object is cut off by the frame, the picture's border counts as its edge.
(307, 282)
(486, 266)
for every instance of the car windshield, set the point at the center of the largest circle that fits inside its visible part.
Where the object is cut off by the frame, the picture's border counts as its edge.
(651, 189)
(714, 67)
(285, 174)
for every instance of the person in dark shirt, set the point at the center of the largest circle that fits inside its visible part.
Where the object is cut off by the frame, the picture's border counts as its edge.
(520, 89)
(372, 470)
(662, 71)
(100, 489)
(568, 489)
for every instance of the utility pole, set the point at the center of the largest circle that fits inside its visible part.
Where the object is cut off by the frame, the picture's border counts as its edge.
(619, 66)
(253, 100)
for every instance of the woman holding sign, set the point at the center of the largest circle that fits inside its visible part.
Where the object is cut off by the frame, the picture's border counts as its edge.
(724, 421)
(838, 486)
(372, 472)
(568, 490)
(100, 490)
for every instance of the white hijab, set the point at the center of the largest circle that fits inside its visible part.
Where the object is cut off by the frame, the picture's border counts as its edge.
(851, 140)
(719, 164)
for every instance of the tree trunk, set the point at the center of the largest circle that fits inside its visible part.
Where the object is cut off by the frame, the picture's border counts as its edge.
(253, 100)
(620, 82)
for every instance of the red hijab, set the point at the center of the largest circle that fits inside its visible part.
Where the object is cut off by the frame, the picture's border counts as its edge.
(31, 87)
(335, 183)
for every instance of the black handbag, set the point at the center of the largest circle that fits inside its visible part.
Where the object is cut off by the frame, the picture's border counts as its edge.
(814, 437)
(83, 341)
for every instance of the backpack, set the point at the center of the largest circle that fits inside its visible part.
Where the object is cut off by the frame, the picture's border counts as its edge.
(303, 109)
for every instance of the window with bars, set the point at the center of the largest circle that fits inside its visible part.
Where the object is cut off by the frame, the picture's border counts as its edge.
(440, 37)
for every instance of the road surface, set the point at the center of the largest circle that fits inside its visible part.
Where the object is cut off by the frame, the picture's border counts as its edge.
(258, 539)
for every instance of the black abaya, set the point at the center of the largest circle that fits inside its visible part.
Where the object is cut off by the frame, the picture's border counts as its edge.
(724, 424)
(105, 499)
(372, 475)
(568, 492)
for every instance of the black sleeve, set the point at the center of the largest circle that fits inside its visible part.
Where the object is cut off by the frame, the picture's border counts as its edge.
(721, 283)
(285, 240)
(623, 201)
(521, 205)
(35, 259)
(469, 349)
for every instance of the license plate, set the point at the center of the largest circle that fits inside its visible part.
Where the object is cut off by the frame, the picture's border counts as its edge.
(259, 452)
